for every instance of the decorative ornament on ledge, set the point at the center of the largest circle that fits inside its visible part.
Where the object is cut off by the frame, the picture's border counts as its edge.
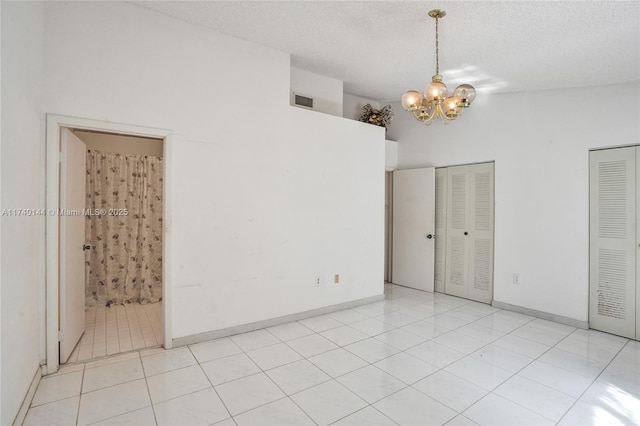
(379, 117)
(436, 103)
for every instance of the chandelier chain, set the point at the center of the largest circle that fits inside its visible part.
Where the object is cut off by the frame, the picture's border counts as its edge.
(437, 50)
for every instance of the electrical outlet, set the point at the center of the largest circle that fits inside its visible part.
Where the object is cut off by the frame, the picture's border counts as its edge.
(516, 279)
(336, 279)
(317, 281)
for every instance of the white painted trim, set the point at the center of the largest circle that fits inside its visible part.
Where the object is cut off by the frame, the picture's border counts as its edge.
(540, 314)
(53, 126)
(26, 402)
(244, 328)
(167, 213)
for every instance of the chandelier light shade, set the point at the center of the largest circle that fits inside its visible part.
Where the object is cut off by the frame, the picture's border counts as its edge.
(435, 102)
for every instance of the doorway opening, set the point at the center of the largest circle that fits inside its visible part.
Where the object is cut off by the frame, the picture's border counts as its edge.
(107, 283)
(122, 244)
(388, 224)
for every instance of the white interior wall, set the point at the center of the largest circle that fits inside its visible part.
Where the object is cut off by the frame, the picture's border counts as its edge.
(352, 105)
(265, 196)
(121, 144)
(1, 206)
(540, 142)
(22, 154)
(391, 155)
(326, 92)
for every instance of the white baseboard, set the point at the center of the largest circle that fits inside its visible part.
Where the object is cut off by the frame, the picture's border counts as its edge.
(26, 402)
(540, 314)
(244, 328)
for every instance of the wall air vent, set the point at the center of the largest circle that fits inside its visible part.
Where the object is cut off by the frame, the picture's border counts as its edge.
(302, 101)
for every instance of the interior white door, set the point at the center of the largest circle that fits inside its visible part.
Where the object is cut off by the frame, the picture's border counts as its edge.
(456, 275)
(481, 233)
(441, 229)
(72, 261)
(413, 228)
(469, 232)
(613, 252)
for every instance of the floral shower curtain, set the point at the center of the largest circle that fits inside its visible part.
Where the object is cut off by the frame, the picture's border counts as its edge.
(124, 229)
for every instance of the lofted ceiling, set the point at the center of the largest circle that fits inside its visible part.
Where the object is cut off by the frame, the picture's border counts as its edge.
(380, 49)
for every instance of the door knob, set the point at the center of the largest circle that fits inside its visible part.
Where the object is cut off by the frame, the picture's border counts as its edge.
(466, 233)
(430, 236)
(86, 247)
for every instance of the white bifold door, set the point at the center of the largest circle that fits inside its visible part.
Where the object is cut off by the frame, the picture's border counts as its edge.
(614, 238)
(413, 228)
(441, 229)
(469, 232)
(73, 174)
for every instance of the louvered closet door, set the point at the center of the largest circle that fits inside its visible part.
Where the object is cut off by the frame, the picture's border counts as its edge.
(613, 236)
(480, 238)
(441, 228)
(469, 232)
(456, 276)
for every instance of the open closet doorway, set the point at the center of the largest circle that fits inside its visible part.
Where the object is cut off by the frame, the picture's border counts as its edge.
(109, 252)
(123, 244)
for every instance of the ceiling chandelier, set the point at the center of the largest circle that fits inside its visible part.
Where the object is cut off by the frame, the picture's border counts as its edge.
(436, 103)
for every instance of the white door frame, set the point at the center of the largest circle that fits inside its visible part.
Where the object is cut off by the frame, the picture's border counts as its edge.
(52, 191)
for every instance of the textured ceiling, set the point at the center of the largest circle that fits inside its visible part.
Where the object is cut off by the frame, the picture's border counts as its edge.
(382, 48)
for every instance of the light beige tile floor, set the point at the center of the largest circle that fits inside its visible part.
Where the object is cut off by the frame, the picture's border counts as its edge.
(119, 328)
(415, 358)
